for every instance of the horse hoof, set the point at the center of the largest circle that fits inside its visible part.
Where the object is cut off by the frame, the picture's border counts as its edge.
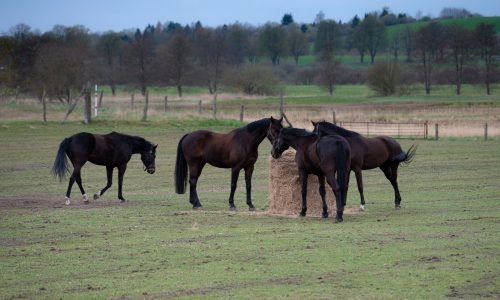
(339, 220)
(324, 216)
(86, 199)
(361, 207)
(232, 208)
(96, 196)
(398, 207)
(197, 206)
(302, 214)
(68, 202)
(251, 209)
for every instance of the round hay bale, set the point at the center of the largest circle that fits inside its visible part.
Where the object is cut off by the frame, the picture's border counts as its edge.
(285, 196)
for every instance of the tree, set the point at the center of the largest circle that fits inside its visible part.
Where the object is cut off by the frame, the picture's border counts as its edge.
(486, 48)
(175, 61)
(327, 40)
(272, 41)
(139, 56)
(460, 41)
(374, 35)
(237, 43)
(110, 48)
(395, 44)
(287, 19)
(297, 42)
(408, 42)
(384, 78)
(427, 41)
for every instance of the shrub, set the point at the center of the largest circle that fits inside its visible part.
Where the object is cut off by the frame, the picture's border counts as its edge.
(254, 80)
(384, 78)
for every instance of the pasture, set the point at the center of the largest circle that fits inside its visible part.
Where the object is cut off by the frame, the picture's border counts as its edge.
(444, 242)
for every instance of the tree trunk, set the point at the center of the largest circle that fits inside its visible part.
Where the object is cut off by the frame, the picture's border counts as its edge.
(44, 105)
(87, 113)
(146, 105)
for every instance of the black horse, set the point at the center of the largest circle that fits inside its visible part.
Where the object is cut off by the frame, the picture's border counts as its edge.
(110, 150)
(368, 153)
(236, 150)
(322, 157)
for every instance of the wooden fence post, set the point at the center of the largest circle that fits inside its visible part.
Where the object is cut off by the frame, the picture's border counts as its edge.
(437, 131)
(425, 130)
(333, 117)
(132, 100)
(100, 98)
(281, 104)
(166, 103)
(199, 107)
(215, 106)
(242, 112)
(146, 104)
(485, 131)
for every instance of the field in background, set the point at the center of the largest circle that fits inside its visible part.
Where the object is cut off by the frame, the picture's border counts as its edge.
(444, 242)
(463, 115)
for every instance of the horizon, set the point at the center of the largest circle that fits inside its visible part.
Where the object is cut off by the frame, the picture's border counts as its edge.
(115, 15)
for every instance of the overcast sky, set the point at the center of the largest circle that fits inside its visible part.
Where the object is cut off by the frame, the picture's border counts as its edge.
(103, 15)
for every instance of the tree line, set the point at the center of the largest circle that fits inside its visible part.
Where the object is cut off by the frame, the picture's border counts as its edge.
(254, 60)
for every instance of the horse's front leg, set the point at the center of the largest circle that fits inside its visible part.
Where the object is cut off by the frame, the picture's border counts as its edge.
(121, 172)
(194, 173)
(248, 181)
(338, 198)
(359, 181)
(303, 180)
(322, 193)
(109, 174)
(235, 172)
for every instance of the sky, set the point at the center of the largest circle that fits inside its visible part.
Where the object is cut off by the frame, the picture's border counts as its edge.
(117, 15)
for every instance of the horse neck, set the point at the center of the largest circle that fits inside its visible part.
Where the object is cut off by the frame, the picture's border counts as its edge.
(138, 144)
(258, 135)
(295, 141)
(334, 129)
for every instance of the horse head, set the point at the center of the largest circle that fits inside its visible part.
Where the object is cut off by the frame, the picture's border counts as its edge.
(148, 159)
(279, 145)
(319, 128)
(275, 125)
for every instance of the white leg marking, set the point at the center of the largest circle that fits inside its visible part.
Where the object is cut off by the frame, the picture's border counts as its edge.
(362, 207)
(85, 199)
(97, 195)
(68, 202)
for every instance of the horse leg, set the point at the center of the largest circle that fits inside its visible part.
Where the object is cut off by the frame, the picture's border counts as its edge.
(359, 181)
(248, 181)
(391, 173)
(322, 193)
(78, 178)
(109, 174)
(235, 172)
(121, 172)
(194, 173)
(338, 198)
(303, 181)
(70, 186)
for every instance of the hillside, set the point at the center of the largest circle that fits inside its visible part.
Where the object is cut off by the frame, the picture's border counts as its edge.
(469, 23)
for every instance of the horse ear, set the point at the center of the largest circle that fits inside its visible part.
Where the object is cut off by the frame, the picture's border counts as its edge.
(154, 147)
(280, 119)
(314, 124)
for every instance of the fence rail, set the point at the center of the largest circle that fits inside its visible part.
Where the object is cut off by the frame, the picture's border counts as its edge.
(409, 130)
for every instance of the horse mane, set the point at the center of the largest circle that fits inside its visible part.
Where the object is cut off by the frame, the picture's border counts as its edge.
(299, 132)
(339, 130)
(258, 124)
(137, 141)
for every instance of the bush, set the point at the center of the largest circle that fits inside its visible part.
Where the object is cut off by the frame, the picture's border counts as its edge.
(254, 80)
(384, 78)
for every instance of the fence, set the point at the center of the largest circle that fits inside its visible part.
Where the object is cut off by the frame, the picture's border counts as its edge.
(409, 130)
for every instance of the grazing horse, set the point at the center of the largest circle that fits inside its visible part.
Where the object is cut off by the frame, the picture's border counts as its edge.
(236, 150)
(110, 150)
(368, 153)
(322, 157)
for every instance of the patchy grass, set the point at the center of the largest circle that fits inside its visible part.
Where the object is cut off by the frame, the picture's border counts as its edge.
(443, 243)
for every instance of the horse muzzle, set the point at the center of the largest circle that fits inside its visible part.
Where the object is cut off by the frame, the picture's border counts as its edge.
(150, 170)
(275, 154)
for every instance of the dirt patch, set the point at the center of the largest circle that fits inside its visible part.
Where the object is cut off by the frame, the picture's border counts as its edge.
(54, 202)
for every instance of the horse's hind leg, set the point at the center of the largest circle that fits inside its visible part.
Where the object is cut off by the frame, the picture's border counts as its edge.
(391, 173)
(322, 193)
(303, 181)
(338, 198)
(121, 172)
(75, 176)
(109, 173)
(235, 172)
(359, 181)
(248, 181)
(194, 173)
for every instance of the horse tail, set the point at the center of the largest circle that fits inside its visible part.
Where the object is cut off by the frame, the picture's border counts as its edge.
(60, 166)
(341, 157)
(406, 157)
(181, 169)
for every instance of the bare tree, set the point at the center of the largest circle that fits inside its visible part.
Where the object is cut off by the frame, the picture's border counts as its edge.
(460, 42)
(487, 49)
(297, 42)
(272, 41)
(427, 42)
(139, 55)
(327, 40)
(110, 48)
(175, 60)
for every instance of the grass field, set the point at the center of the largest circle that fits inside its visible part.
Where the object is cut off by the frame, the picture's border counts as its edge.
(443, 243)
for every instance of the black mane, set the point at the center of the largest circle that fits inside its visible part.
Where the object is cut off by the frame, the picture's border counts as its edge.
(258, 124)
(339, 130)
(299, 132)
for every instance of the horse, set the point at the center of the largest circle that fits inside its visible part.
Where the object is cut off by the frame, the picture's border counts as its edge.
(321, 156)
(368, 153)
(236, 150)
(110, 150)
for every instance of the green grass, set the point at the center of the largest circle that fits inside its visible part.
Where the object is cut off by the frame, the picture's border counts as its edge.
(443, 243)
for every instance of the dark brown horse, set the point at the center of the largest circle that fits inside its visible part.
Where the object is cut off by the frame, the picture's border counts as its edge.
(368, 153)
(322, 157)
(235, 150)
(112, 150)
